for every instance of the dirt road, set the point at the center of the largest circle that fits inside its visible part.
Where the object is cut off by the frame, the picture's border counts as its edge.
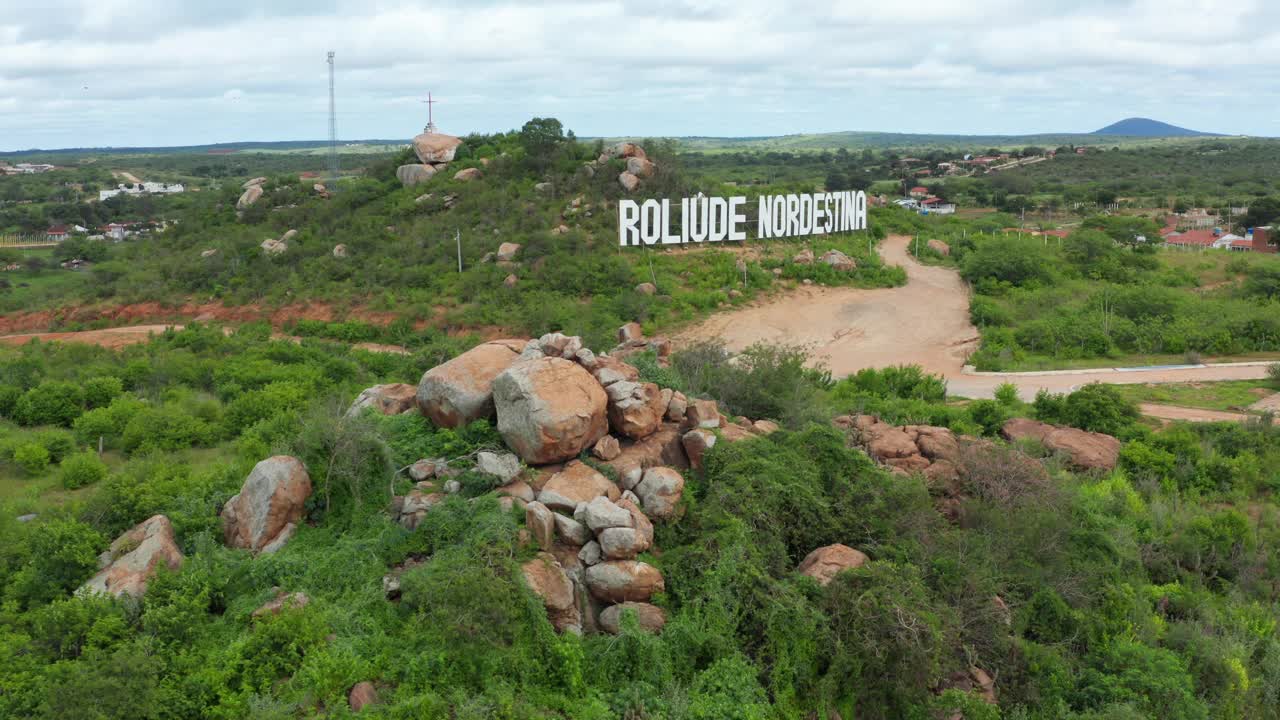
(925, 323)
(109, 338)
(1176, 412)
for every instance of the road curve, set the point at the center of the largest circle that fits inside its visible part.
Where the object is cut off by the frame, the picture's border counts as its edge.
(925, 322)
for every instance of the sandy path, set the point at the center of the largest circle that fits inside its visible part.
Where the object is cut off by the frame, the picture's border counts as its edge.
(109, 338)
(1177, 412)
(925, 323)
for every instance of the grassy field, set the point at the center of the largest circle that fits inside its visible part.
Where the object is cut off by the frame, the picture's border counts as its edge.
(1232, 395)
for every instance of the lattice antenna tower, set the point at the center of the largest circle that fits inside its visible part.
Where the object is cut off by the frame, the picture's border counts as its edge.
(333, 126)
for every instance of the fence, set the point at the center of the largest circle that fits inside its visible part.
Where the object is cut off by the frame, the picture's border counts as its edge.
(26, 241)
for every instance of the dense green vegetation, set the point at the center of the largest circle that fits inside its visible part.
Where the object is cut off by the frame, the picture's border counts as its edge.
(1150, 591)
(1100, 294)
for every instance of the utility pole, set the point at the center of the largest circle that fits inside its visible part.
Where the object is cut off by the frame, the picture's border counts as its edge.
(333, 126)
(457, 237)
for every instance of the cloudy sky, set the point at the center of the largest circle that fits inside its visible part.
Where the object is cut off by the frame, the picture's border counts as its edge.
(168, 72)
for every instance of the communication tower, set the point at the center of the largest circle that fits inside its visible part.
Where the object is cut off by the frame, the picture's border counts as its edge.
(333, 127)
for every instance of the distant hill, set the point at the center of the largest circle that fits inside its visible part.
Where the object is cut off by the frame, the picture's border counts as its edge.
(1146, 127)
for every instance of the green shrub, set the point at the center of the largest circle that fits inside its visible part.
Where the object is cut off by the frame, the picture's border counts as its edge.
(50, 403)
(988, 414)
(1007, 394)
(9, 396)
(82, 469)
(32, 457)
(100, 391)
(902, 381)
(165, 428)
(1096, 407)
(59, 443)
(64, 553)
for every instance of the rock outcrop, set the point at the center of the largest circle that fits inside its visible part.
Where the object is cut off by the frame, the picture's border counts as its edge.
(825, 563)
(435, 148)
(649, 617)
(266, 511)
(134, 558)
(576, 483)
(617, 581)
(460, 391)
(414, 174)
(838, 260)
(390, 399)
(635, 409)
(549, 409)
(250, 196)
(547, 579)
(467, 174)
(1086, 450)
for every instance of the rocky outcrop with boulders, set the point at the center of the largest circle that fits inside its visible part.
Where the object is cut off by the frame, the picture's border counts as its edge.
(389, 399)
(1085, 450)
(838, 260)
(638, 166)
(266, 512)
(134, 558)
(555, 401)
(931, 451)
(433, 148)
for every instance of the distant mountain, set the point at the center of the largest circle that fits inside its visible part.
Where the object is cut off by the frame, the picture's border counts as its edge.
(1146, 127)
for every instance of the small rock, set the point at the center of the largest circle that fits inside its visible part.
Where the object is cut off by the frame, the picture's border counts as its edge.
(507, 251)
(339, 250)
(606, 448)
(572, 531)
(467, 174)
(361, 696)
(804, 257)
(504, 466)
(646, 288)
(660, 491)
(602, 513)
(590, 554)
(283, 601)
(825, 563)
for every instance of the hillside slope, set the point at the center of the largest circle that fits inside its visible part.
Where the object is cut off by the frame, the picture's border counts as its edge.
(1146, 127)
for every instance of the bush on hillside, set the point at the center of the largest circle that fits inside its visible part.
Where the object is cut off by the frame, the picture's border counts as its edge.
(50, 403)
(100, 391)
(82, 469)
(1096, 407)
(763, 381)
(32, 457)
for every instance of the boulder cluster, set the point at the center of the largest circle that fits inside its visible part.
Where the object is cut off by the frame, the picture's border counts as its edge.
(555, 400)
(435, 151)
(833, 257)
(273, 246)
(638, 166)
(252, 193)
(1084, 450)
(260, 518)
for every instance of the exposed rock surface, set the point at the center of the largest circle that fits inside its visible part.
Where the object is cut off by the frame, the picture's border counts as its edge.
(250, 196)
(270, 504)
(340, 250)
(410, 175)
(504, 466)
(390, 399)
(460, 391)
(825, 563)
(940, 247)
(576, 483)
(660, 491)
(635, 409)
(628, 181)
(1086, 450)
(541, 523)
(548, 581)
(435, 148)
(467, 174)
(650, 617)
(838, 260)
(274, 247)
(616, 581)
(549, 409)
(362, 695)
(507, 251)
(281, 602)
(696, 443)
(134, 557)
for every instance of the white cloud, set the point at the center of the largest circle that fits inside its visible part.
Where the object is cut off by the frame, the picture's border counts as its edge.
(148, 72)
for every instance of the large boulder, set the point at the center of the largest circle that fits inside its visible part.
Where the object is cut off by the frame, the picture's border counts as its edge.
(250, 196)
(650, 617)
(628, 181)
(461, 391)
(541, 524)
(696, 444)
(410, 175)
(272, 246)
(134, 557)
(467, 174)
(390, 399)
(1086, 450)
(362, 695)
(640, 167)
(252, 181)
(504, 466)
(576, 483)
(549, 409)
(635, 409)
(660, 491)
(435, 148)
(547, 579)
(507, 251)
(618, 581)
(267, 510)
(621, 150)
(838, 260)
(824, 563)
(939, 247)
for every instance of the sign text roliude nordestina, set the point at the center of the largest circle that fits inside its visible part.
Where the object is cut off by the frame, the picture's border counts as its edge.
(716, 219)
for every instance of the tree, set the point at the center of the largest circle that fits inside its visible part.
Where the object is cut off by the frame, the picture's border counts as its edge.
(1262, 211)
(540, 137)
